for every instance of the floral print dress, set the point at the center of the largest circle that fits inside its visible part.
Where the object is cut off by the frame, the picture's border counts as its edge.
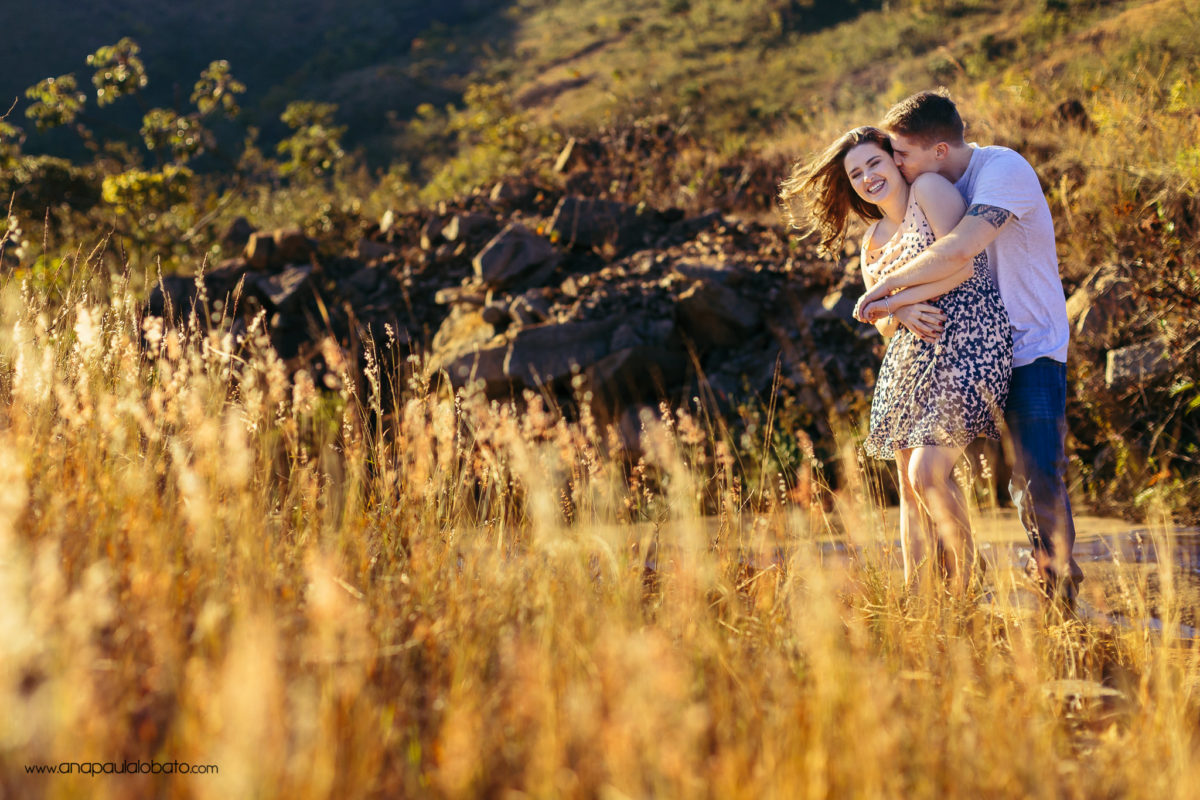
(947, 392)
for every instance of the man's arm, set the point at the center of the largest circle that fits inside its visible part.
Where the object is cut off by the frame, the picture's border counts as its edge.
(914, 294)
(946, 257)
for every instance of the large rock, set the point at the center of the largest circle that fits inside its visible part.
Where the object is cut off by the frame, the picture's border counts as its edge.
(172, 297)
(371, 251)
(597, 223)
(464, 226)
(285, 290)
(484, 364)
(464, 330)
(551, 353)
(1137, 364)
(516, 255)
(236, 236)
(278, 248)
(1101, 308)
(713, 315)
(543, 355)
(635, 374)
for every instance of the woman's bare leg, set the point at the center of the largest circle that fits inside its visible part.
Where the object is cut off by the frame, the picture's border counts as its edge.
(931, 473)
(914, 526)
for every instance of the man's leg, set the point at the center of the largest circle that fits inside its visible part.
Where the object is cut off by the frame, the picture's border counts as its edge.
(1036, 414)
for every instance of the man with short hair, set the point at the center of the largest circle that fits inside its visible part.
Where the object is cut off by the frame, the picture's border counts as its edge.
(1007, 215)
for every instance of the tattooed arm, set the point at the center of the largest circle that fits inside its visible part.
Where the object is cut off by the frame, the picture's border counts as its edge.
(945, 258)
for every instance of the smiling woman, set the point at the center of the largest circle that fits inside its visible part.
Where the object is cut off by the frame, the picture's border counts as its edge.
(817, 198)
(946, 371)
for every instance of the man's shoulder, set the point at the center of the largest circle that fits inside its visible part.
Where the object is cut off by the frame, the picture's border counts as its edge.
(998, 165)
(998, 156)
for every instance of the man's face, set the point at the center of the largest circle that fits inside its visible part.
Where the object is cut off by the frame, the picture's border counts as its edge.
(913, 158)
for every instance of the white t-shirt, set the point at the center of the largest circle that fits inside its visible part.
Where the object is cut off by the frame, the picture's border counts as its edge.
(1023, 257)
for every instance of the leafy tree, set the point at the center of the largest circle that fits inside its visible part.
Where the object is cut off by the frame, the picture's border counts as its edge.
(315, 147)
(182, 136)
(56, 101)
(119, 71)
(217, 89)
(141, 194)
(11, 139)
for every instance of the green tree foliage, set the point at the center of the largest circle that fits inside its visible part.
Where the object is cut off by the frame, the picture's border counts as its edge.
(11, 140)
(119, 71)
(315, 146)
(140, 194)
(166, 131)
(217, 89)
(56, 101)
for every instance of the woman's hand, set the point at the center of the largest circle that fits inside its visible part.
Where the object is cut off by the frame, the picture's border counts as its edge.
(925, 321)
(873, 312)
(873, 295)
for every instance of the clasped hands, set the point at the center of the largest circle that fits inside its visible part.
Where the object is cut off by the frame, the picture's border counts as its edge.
(925, 321)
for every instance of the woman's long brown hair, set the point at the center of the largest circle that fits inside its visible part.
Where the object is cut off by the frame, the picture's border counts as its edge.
(817, 197)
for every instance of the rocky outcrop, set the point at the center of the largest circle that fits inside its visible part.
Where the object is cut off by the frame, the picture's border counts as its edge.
(516, 255)
(529, 289)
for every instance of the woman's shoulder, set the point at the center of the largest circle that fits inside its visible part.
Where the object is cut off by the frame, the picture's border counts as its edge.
(931, 183)
(932, 191)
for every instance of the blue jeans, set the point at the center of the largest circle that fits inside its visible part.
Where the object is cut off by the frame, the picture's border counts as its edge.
(1036, 415)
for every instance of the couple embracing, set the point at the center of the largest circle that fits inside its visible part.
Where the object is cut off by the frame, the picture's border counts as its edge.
(962, 275)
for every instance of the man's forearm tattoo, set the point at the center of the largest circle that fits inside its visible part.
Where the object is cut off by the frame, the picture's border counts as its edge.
(996, 216)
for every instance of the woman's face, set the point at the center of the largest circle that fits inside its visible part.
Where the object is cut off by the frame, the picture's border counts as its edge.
(872, 172)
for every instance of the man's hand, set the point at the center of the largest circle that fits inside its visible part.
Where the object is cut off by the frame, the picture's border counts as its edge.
(925, 321)
(875, 293)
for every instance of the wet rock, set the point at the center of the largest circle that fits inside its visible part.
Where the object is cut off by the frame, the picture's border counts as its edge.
(516, 255)
(715, 316)
(1137, 364)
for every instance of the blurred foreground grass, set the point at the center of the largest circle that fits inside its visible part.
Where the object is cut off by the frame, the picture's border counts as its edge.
(203, 562)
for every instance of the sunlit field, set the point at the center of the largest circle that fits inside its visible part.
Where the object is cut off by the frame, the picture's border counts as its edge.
(322, 593)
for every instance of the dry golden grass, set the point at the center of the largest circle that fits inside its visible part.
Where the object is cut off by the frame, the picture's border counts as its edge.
(201, 562)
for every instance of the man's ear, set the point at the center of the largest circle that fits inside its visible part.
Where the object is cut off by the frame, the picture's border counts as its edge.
(940, 150)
